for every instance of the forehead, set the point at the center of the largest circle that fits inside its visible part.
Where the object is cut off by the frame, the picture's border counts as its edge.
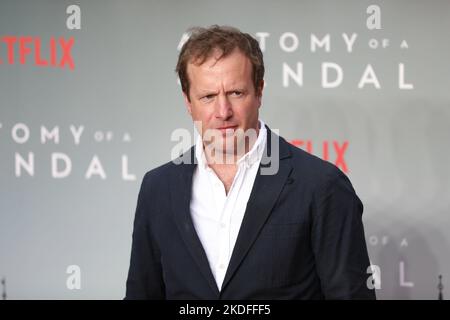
(233, 69)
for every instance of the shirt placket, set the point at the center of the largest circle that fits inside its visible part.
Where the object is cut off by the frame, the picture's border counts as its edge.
(225, 224)
(219, 204)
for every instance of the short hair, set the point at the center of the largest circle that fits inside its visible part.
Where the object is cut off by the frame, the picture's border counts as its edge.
(203, 42)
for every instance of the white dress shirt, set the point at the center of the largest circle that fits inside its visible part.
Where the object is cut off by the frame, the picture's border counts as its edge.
(217, 217)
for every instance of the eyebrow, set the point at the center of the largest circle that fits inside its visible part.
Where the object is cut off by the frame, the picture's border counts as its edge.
(203, 92)
(206, 91)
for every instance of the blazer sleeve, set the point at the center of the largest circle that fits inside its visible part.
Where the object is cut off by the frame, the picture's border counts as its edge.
(145, 277)
(338, 240)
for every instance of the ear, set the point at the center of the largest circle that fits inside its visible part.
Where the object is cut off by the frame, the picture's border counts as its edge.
(260, 89)
(187, 103)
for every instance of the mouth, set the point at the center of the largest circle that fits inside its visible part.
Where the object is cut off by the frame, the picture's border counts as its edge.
(227, 129)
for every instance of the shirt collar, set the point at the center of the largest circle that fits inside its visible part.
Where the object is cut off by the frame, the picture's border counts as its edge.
(252, 156)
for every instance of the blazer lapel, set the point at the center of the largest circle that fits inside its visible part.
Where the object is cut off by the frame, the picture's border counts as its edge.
(265, 192)
(180, 192)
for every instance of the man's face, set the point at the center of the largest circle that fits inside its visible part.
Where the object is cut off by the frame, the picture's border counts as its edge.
(222, 95)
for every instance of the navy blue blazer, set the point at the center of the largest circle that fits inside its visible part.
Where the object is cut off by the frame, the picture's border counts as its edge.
(301, 237)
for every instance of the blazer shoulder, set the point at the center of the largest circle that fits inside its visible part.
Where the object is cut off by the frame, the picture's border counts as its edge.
(314, 169)
(321, 177)
(160, 173)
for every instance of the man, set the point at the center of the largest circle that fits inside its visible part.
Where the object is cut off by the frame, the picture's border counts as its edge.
(214, 224)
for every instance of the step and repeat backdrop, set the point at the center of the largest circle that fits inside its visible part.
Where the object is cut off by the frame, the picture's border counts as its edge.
(89, 102)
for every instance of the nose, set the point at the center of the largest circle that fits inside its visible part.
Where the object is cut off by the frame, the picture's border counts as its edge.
(223, 107)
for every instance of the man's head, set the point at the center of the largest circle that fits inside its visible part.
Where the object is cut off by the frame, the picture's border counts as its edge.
(221, 71)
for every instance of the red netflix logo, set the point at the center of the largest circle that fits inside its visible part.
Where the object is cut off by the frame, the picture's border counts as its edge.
(60, 54)
(339, 149)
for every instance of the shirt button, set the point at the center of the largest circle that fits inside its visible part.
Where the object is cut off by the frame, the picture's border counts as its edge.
(221, 266)
(223, 225)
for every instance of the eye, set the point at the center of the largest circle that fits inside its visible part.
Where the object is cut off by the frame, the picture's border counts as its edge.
(236, 93)
(207, 97)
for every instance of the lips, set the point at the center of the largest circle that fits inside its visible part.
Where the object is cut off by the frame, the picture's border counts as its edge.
(227, 129)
